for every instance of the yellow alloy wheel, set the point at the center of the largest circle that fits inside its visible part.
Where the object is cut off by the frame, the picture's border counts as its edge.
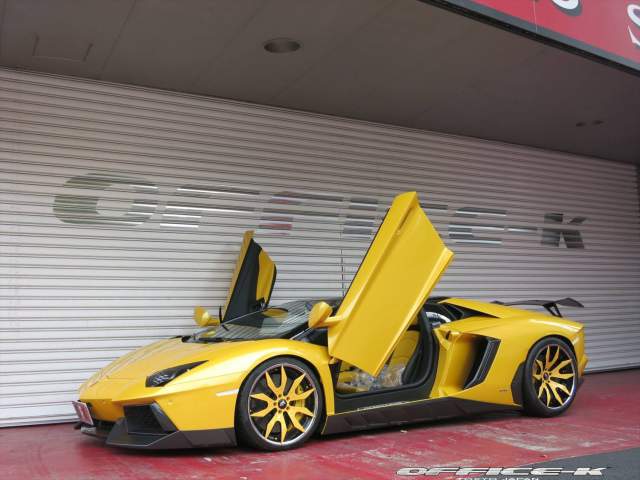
(554, 376)
(283, 404)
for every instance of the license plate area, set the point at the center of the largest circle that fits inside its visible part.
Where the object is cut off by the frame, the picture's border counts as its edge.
(82, 410)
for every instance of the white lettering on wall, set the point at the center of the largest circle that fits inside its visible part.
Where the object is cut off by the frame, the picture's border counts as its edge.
(567, 4)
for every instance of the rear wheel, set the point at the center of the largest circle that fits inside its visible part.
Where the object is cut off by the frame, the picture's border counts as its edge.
(550, 378)
(280, 405)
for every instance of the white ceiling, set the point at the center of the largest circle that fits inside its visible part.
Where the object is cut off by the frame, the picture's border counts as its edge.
(393, 61)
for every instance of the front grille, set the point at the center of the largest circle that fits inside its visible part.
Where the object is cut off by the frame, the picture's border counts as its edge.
(140, 419)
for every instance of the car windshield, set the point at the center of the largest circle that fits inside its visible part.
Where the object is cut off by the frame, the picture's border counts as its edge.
(273, 322)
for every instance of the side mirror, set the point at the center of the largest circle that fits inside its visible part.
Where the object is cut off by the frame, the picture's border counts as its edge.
(319, 314)
(204, 318)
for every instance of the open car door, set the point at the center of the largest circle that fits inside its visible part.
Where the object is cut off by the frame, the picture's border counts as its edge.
(400, 269)
(252, 281)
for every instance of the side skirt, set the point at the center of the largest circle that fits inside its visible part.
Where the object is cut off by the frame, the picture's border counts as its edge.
(407, 412)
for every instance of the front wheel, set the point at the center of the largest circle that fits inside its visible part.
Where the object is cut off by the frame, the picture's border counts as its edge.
(550, 378)
(280, 405)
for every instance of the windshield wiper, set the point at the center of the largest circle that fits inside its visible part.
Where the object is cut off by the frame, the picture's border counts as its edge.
(219, 339)
(211, 340)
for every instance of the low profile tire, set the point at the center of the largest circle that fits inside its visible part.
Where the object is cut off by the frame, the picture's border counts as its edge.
(550, 378)
(280, 405)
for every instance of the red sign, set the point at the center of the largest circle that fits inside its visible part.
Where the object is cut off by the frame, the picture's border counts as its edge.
(606, 28)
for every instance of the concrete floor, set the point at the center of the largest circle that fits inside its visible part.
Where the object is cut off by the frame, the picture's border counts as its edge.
(604, 418)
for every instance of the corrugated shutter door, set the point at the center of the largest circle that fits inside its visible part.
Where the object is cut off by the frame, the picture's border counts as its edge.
(122, 208)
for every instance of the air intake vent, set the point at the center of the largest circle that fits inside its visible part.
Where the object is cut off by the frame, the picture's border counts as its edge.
(482, 362)
(141, 419)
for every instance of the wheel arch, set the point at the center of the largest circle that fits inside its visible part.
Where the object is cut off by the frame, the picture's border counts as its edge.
(287, 355)
(560, 337)
(529, 406)
(246, 430)
(517, 383)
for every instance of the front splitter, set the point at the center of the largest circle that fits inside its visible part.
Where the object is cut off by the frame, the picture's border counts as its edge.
(120, 437)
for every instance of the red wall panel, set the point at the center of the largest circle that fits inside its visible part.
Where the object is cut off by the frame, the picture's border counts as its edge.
(607, 28)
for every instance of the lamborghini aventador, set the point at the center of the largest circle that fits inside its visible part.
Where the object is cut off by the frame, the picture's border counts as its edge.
(384, 354)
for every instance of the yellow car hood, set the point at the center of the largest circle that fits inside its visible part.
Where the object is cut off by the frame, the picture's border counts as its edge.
(160, 355)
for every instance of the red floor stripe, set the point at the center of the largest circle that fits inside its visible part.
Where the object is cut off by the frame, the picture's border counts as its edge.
(604, 417)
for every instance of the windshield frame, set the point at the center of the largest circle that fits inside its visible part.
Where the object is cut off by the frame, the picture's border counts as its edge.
(296, 327)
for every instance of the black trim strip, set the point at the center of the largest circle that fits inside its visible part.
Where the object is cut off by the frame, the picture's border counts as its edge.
(478, 375)
(516, 385)
(407, 412)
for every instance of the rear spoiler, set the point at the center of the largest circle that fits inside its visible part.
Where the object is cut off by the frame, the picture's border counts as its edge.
(550, 305)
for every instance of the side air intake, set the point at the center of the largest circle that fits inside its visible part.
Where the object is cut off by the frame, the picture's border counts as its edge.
(482, 362)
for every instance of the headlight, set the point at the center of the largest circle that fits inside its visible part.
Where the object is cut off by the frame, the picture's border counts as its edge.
(163, 377)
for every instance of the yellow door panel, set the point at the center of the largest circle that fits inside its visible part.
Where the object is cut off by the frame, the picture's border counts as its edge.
(252, 280)
(266, 277)
(402, 266)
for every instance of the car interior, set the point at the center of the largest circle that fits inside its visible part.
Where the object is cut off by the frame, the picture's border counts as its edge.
(411, 361)
(408, 364)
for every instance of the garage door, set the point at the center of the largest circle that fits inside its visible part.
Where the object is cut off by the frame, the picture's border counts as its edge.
(122, 208)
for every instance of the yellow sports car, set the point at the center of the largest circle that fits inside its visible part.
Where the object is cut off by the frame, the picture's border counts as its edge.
(384, 354)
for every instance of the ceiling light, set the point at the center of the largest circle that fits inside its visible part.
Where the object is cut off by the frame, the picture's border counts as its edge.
(281, 45)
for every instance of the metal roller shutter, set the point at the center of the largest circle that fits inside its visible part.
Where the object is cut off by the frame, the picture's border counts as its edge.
(121, 208)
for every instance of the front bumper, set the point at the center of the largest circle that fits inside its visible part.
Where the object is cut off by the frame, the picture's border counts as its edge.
(147, 427)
